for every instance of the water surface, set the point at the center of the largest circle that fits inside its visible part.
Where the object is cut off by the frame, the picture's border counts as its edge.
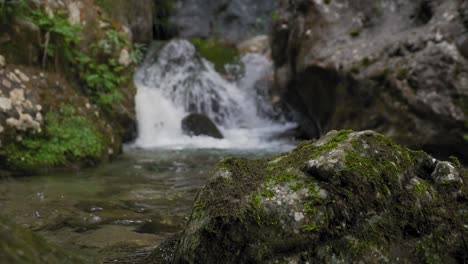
(119, 209)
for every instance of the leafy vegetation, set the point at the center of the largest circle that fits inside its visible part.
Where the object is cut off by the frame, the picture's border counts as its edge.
(61, 35)
(10, 9)
(217, 52)
(67, 136)
(97, 68)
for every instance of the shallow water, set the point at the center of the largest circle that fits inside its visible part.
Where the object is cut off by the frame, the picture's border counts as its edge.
(117, 209)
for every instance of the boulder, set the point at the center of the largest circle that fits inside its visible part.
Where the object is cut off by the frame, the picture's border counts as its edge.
(350, 197)
(397, 67)
(200, 125)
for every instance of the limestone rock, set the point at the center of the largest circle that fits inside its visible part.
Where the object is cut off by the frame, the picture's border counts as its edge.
(350, 197)
(397, 67)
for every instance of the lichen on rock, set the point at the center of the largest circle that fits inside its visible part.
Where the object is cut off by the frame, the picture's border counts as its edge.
(347, 197)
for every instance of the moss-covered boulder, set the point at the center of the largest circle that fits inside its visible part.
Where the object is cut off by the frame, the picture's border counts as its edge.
(350, 197)
(19, 246)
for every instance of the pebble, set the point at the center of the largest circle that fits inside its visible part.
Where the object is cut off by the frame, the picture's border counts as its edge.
(2, 61)
(6, 83)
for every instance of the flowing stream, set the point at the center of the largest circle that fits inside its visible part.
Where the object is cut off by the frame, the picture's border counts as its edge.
(120, 211)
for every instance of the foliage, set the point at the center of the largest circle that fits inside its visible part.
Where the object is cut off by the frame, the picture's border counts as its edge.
(101, 76)
(217, 52)
(67, 136)
(10, 9)
(102, 80)
(137, 55)
(63, 35)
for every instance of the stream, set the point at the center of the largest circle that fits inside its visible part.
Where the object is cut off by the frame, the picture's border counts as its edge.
(120, 211)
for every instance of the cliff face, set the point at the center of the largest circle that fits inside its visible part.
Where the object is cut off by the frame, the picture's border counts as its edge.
(397, 67)
(66, 88)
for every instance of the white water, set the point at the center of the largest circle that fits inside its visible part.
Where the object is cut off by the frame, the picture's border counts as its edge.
(180, 82)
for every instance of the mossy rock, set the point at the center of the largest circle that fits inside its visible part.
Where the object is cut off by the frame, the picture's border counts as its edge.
(216, 51)
(349, 197)
(19, 246)
(68, 138)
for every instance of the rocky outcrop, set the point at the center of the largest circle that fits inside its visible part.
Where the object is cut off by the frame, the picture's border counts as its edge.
(66, 89)
(350, 197)
(233, 20)
(18, 246)
(397, 67)
(200, 125)
(137, 16)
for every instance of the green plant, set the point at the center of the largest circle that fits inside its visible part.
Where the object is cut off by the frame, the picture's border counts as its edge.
(137, 54)
(60, 34)
(102, 80)
(67, 137)
(275, 15)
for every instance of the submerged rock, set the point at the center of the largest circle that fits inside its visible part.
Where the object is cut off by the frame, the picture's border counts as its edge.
(18, 246)
(350, 197)
(390, 66)
(200, 125)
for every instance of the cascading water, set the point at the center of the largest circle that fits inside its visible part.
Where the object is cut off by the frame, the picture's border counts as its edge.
(180, 82)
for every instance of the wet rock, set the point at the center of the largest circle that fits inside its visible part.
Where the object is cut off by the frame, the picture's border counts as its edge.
(200, 125)
(395, 67)
(234, 20)
(349, 197)
(258, 44)
(19, 245)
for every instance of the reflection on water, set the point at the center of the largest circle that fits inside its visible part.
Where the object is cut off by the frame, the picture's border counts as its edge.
(133, 203)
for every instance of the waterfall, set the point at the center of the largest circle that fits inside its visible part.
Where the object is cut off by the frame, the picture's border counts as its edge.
(179, 81)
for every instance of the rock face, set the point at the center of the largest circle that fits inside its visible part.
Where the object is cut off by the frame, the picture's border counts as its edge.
(19, 246)
(200, 125)
(56, 108)
(136, 15)
(234, 20)
(396, 67)
(350, 197)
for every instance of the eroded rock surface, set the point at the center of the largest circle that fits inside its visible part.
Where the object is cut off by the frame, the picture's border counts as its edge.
(350, 197)
(397, 67)
(233, 20)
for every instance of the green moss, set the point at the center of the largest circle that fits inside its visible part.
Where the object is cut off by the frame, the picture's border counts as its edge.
(67, 137)
(402, 74)
(355, 33)
(332, 144)
(19, 245)
(421, 187)
(217, 52)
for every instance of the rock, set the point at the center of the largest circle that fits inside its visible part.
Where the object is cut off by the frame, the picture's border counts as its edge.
(259, 44)
(200, 125)
(2, 61)
(390, 66)
(5, 104)
(136, 15)
(235, 20)
(19, 245)
(124, 58)
(350, 197)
